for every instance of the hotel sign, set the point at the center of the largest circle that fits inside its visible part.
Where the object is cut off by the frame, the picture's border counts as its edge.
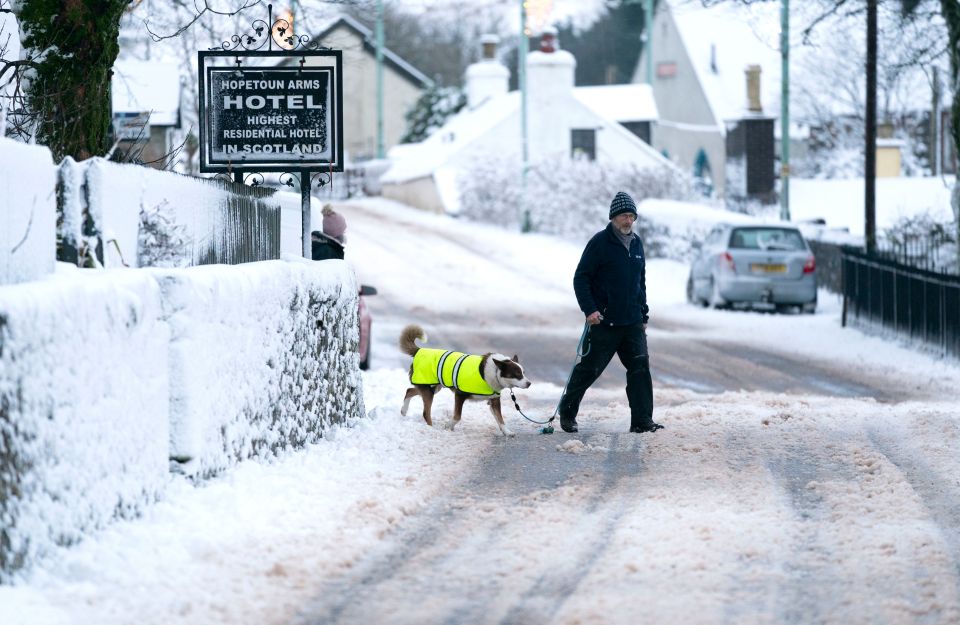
(271, 118)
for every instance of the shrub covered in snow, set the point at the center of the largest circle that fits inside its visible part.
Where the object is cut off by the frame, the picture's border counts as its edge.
(161, 241)
(570, 198)
(925, 241)
(431, 111)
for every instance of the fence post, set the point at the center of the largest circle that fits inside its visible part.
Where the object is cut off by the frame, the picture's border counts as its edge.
(843, 289)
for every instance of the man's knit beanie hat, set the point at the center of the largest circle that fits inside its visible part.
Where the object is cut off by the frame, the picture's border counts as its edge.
(622, 203)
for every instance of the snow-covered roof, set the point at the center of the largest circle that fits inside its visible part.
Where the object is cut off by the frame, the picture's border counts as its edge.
(369, 44)
(418, 160)
(620, 103)
(722, 40)
(141, 86)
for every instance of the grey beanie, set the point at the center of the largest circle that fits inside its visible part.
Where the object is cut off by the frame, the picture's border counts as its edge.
(622, 203)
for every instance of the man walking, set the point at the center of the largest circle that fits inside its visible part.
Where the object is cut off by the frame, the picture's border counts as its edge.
(611, 289)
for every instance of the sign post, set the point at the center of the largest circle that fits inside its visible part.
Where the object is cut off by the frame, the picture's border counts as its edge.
(265, 110)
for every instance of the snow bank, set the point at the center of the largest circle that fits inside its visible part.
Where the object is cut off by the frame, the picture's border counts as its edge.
(83, 408)
(107, 375)
(262, 357)
(28, 212)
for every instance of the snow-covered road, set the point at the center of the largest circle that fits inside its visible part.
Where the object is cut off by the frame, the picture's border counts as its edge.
(831, 497)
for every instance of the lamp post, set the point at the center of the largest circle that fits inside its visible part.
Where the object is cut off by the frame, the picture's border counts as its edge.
(524, 137)
(785, 110)
(381, 153)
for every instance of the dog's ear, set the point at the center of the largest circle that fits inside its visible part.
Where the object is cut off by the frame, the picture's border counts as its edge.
(516, 358)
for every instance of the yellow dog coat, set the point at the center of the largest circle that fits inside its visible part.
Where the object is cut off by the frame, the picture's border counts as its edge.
(451, 369)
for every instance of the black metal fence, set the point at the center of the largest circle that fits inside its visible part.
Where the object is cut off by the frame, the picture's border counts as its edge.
(914, 302)
(248, 228)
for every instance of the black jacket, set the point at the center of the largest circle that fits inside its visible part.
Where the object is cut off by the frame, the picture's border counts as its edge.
(326, 248)
(611, 280)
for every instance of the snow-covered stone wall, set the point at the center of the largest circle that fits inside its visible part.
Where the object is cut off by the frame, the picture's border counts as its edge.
(28, 212)
(105, 376)
(263, 357)
(83, 408)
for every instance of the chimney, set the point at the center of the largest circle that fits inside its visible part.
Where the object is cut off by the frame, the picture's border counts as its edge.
(488, 77)
(550, 72)
(753, 89)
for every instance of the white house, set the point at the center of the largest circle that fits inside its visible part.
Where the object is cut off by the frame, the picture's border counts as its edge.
(562, 120)
(403, 84)
(705, 61)
(146, 98)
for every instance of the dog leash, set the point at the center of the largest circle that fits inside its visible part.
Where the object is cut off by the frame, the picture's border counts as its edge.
(580, 354)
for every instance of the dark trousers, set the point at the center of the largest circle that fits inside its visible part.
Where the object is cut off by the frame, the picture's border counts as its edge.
(630, 344)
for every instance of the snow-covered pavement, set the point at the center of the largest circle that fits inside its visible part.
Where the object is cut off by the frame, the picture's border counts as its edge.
(751, 507)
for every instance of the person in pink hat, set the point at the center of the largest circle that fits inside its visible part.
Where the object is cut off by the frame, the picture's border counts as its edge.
(330, 242)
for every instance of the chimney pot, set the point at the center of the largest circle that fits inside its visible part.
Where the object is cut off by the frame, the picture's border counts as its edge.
(490, 43)
(548, 40)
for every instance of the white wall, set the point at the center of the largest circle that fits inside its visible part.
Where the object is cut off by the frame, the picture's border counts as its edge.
(28, 212)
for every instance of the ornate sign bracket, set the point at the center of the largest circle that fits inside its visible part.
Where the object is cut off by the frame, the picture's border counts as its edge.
(263, 109)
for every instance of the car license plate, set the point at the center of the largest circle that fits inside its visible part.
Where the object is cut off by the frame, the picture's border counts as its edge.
(768, 268)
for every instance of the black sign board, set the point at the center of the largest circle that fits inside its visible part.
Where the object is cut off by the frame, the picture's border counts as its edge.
(271, 118)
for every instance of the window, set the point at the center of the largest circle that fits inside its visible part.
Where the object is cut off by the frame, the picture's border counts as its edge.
(583, 143)
(767, 239)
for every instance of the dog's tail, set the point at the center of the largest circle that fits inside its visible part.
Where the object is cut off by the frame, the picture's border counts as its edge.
(408, 337)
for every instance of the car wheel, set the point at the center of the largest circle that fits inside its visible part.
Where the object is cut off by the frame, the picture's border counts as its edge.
(365, 359)
(785, 308)
(810, 308)
(716, 301)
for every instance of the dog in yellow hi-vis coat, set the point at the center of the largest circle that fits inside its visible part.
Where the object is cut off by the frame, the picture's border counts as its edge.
(468, 376)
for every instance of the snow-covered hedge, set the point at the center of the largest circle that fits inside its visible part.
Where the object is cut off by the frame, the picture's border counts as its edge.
(28, 212)
(213, 220)
(570, 198)
(263, 357)
(83, 408)
(107, 376)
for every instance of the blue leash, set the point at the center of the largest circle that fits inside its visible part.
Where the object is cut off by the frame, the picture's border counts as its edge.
(580, 355)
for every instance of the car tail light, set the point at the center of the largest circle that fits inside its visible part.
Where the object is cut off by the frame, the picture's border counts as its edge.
(810, 265)
(726, 262)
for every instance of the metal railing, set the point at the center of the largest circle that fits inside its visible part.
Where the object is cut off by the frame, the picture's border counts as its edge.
(248, 227)
(913, 302)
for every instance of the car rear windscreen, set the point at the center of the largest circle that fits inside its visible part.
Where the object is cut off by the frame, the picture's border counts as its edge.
(766, 239)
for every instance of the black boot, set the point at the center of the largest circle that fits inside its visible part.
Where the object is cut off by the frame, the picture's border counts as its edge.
(568, 425)
(640, 429)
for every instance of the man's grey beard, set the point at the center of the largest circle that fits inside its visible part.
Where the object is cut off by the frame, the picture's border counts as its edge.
(626, 229)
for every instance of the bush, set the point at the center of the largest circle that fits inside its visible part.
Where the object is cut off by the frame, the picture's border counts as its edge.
(569, 198)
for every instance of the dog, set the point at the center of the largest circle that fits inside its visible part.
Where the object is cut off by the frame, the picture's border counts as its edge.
(468, 376)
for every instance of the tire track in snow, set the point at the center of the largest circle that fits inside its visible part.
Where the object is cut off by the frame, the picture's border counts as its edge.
(454, 564)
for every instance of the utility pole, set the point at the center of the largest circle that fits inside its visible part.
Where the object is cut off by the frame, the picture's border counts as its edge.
(524, 138)
(870, 162)
(785, 110)
(648, 38)
(381, 152)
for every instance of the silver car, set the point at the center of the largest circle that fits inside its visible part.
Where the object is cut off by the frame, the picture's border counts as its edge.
(757, 266)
